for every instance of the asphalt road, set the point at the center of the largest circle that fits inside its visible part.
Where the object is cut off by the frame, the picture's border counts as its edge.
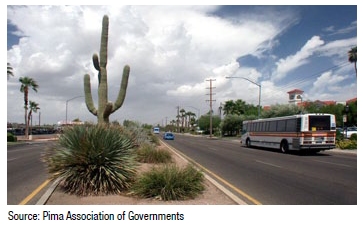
(258, 176)
(25, 173)
(263, 176)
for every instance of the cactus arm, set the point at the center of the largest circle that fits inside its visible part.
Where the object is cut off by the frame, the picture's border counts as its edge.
(96, 64)
(107, 112)
(122, 92)
(88, 95)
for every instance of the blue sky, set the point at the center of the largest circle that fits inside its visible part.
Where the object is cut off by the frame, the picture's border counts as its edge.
(173, 50)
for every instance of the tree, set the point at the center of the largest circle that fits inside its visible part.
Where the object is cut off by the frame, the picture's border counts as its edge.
(352, 57)
(204, 122)
(228, 107)
(189, 115)
(278, 110)
(33, 108)
(182, 111)
(27, 82)
(10, 71)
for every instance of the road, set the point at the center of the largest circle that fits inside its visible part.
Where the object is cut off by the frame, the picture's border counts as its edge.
(268, 177)
(25, 172)
(257, 176)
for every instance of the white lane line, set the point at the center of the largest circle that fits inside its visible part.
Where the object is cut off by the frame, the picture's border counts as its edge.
(338, 164)
(270, 164)
(12, 159)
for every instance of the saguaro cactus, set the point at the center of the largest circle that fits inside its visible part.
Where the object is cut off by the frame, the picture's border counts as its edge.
(105, 108)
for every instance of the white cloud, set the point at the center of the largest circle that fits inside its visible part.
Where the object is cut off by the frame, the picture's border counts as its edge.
(290, 63)
(172, 51)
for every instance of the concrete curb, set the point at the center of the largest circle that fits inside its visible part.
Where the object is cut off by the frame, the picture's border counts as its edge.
(43, 200)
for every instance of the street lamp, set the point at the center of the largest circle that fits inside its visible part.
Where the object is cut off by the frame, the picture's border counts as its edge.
(67, 106)
(259, 94)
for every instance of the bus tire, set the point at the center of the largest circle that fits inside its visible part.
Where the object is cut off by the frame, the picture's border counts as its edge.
(284, 146)
(248, 143)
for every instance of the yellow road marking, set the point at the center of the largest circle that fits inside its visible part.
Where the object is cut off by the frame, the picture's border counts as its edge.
(36, 191)
(219, 178)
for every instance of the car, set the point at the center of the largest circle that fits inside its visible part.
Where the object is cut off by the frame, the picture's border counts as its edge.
(168, 136)
(349, 131)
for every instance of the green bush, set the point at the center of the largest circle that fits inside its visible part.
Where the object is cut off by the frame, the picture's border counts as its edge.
(12, 137)
(339, 135)
(169, 183)
(92, 160)
(147, 153)
(347, 144)
(353, 137)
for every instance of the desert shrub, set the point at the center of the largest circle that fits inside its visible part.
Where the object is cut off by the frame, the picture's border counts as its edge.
(11, 137)
(169, 183)
(147, 153)
(347, 144)
(137, 134)
(92, 160)
(154, 139)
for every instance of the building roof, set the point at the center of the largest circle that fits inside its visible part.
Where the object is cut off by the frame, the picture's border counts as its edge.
(298, 91)
(351, 100)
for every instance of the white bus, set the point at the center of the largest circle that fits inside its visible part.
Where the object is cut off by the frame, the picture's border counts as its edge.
(312, 132)
(156, 130)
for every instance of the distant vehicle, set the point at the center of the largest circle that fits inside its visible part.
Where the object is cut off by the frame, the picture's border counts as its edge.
(156, 130)
(349, 131)
(312, 132)
(168, 136)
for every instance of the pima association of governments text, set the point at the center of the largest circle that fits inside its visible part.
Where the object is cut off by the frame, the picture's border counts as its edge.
(130, 215)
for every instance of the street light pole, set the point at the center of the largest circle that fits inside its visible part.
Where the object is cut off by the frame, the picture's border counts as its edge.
(259, 92)
(67, 106)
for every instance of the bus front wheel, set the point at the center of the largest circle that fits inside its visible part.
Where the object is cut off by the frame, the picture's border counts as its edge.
(248, 143)
(284, 147)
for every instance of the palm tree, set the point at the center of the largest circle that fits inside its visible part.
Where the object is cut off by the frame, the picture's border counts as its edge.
(10, 71)
(33, 108)
(228, 107)
(27, 82)
(352, 57)
(182, 111)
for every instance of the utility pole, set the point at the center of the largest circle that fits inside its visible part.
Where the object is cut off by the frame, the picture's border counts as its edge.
(210, 105)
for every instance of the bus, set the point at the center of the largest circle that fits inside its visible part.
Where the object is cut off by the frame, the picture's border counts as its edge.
(156, 130)
(312, 132)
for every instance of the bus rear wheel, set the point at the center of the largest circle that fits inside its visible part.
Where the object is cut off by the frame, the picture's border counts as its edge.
(284, 146)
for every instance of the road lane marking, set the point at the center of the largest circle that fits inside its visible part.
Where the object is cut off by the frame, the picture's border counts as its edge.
(242, 193)
(35, 192)
(338, 164)
(270, 164)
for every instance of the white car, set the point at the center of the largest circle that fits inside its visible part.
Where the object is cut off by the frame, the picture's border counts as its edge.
(349, 131)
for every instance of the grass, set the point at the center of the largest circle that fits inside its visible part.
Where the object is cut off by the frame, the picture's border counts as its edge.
(169, 182)
(147, 153)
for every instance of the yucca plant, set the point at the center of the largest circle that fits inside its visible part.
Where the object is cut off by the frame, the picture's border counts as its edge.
(169, 182)
(92, 160)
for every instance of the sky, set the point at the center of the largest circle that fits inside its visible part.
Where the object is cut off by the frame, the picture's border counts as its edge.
(173, 52)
